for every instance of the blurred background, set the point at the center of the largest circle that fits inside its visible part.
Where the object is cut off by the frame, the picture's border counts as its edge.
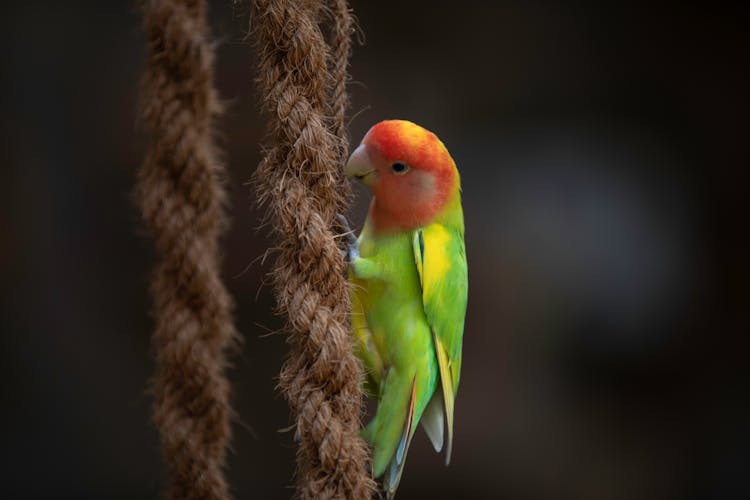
(601, 146)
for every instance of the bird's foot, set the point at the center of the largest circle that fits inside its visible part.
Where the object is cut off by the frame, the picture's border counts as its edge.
(351, 253)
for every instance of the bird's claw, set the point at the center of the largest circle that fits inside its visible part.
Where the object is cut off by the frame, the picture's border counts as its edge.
(351, 253)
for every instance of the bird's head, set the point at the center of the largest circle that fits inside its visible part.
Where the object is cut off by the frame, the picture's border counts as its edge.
(410, 172)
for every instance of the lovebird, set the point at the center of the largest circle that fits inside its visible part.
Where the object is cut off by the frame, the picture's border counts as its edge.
(408, 281)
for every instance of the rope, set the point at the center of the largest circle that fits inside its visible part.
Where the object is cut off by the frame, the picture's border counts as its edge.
(339, 62)
(300, 182)
(181, 198)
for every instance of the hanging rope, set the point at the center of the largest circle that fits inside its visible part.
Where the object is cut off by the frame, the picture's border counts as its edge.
(300, 182)
(181, 198)
(339, 63)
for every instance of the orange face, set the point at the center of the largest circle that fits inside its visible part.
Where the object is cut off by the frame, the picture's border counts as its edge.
(410, 172)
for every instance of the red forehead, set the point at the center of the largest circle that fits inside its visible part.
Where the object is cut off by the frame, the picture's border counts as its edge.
(400, 140)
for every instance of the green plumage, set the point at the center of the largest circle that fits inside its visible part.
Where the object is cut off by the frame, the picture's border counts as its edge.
(409, 292)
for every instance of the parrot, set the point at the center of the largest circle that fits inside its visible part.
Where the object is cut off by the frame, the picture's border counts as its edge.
(408, 284)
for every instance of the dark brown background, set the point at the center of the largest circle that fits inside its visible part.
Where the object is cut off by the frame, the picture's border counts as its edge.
(603, 147)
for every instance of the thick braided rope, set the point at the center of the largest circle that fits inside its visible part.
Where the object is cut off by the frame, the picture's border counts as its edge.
(300, 182)
(181, 198)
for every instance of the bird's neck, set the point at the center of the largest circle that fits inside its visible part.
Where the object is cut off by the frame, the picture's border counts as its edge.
(385, 221)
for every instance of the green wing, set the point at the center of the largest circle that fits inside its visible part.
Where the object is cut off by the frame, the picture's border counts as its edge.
(440, 257)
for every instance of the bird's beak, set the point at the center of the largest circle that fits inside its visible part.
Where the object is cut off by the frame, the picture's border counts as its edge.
(360, 166)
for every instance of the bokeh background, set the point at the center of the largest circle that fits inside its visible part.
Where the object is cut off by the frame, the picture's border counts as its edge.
(603, 148)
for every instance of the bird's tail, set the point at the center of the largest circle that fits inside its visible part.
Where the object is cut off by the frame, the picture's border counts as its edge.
(396, 466)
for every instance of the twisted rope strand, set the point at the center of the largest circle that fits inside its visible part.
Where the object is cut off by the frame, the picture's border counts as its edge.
(181, 198)
(299, 181)
(343, 27)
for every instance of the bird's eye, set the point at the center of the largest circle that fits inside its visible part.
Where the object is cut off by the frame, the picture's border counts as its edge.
(399, 168)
